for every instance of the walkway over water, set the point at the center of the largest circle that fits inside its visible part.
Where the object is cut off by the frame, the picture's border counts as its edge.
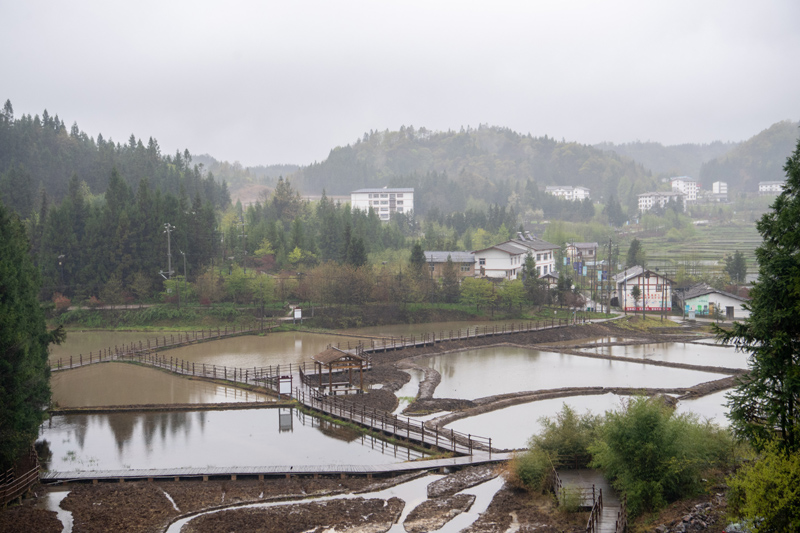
(261, 472)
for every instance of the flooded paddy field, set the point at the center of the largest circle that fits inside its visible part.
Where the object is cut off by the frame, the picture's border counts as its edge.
(83, 342)
(477, 373)
(712, 407)
(512, 427)
(250, 351)
(111, 384)
(678, 352)
(163, 440)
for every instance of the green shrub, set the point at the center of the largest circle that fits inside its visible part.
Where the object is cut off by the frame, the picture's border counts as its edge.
(567, 436)
(530, 470)
(768, 489)
(655, 456)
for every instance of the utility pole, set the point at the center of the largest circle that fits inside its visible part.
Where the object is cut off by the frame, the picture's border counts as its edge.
(184, 270)
(244, 243)
(168, 229)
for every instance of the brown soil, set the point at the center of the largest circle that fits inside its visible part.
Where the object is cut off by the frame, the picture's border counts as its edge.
(532, 512)
(357, 514)
(431, 515)
(25, 518)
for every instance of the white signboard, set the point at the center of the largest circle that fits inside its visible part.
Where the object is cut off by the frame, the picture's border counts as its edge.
(298, 313)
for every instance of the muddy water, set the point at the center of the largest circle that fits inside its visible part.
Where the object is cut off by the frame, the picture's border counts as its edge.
(51, 501)
(83, 342)
(124, 384)
(510, 428)
(258, 351)
(488, 371)
(262, 437)
(679, 352)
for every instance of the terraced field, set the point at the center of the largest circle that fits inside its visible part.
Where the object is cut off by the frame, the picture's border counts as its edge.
(705, 252)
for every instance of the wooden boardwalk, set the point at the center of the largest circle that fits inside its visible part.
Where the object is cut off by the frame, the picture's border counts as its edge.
(393, 425)
(261, 472)
(591, 484)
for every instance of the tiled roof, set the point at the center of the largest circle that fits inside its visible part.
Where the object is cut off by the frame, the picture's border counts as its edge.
(457, 257)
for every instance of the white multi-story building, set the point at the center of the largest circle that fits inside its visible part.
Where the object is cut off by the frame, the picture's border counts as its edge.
(686, 186)
(648, 200)
(567, 192)
(770, 187)
(506, 260)
(719, 187)
(385, 202)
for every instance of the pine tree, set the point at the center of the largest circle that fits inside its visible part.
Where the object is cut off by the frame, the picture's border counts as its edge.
(766, 403)
(24, 372)
(451, 289)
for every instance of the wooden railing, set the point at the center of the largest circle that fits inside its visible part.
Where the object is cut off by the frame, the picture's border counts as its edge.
(425, 339)
(14, 484)
(621, 525)
(595, 514)
(402, 427)
(173, 340)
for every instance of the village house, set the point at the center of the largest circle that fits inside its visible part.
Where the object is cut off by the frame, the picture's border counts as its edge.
(463, 261)
(506, 260)
(648, 200)
(705, 300)
(580, 252)
(770, 187)
(385, 202)
(568, 192)
(686, 186)
(655, 290)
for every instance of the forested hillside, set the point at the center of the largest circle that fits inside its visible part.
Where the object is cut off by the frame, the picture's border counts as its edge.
(40, 153)
(487, 164)
(760, 158)
(676, 160)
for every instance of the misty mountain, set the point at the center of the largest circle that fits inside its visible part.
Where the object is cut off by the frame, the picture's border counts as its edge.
(675, 160)
(488, 164)
(40, 152)
(760, 158)
(239, 176)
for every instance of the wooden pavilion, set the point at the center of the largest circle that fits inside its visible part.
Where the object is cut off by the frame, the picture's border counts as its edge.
(342, 364)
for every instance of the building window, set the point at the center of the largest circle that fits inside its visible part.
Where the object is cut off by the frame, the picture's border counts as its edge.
(482, 261)
(399, 209)
(400, 195)
(538, 257)
(545, 269)
(464, 268)
(658, 288)
(539, 271)
(433, 267)
(384, 196)
(400, 202)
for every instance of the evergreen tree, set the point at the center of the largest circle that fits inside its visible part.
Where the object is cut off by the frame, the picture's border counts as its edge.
(636, 255)
(451, 289)
(417, 259)
(24, 372)
(736, 267)
(766, 402)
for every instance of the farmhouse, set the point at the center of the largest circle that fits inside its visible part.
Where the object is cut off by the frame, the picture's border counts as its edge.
(568, 192)
(705, 300)
(655, 290)
(506, 260)
(463, 261)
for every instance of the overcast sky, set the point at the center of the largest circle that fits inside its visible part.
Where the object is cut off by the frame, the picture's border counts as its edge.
(284, 82)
